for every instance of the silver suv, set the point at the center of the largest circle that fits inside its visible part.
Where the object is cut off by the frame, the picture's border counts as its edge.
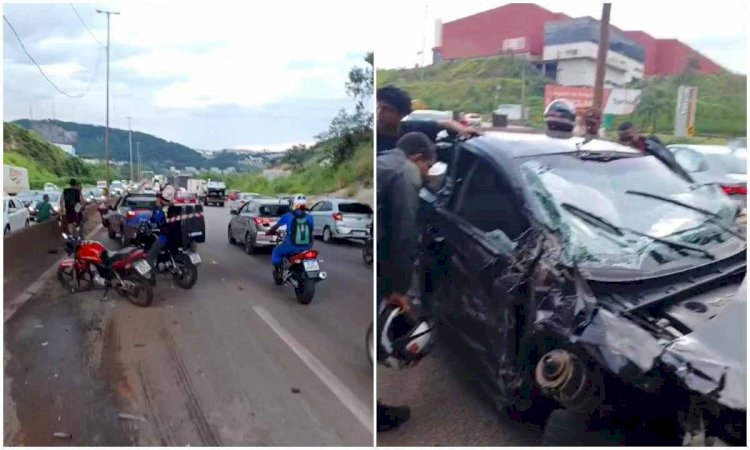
(340, 218)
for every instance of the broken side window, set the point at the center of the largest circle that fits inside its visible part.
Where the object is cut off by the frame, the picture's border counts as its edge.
(488, 203)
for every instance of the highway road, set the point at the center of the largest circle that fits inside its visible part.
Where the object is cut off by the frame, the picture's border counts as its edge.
(447, 407)
(234, 361)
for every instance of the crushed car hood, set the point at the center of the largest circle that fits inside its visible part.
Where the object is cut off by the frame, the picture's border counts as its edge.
(713, 358)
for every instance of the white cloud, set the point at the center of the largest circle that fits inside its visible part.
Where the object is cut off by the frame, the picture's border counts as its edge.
(171, 60)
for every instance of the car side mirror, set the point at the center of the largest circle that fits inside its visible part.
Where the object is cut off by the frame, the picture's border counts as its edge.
(233, 213)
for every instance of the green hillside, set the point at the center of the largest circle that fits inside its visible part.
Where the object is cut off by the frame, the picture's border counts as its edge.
(471, 86)
(156, 153)
(44, 161)
(313, 176)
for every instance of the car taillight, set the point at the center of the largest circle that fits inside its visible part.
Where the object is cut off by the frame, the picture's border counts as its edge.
(735, 190)
(131, 214)
(260, 221)
(338, 217)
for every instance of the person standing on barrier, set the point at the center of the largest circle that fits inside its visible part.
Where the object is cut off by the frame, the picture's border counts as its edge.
(71, 206)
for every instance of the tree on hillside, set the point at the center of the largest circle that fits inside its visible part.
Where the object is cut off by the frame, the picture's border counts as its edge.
(652, 106)
(297, 155)
(347, 130)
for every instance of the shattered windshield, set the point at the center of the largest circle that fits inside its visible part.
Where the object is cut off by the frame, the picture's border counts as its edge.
(603, 186)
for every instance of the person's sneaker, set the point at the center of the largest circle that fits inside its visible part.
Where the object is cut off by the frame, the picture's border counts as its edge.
(390, 417)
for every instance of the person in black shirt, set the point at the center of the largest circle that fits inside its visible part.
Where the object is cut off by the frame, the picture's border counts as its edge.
(393, 105)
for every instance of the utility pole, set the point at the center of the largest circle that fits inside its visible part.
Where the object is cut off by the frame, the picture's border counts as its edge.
(523, 93)
(130, 142)
(138, 148)
(601, 58)
(106, 133)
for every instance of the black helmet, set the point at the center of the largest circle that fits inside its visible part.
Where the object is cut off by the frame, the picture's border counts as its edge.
(560, 115)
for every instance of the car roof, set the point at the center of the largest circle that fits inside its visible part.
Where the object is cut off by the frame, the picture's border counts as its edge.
(270, 201)
(140, 196)
(707, 149)
(519, 145)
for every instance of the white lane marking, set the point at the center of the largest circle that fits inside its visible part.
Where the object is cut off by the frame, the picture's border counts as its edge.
(339, 389)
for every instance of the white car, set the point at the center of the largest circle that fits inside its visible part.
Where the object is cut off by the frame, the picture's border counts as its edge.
(51, 187)
(15, 214)
(429, 114)
(242, 198)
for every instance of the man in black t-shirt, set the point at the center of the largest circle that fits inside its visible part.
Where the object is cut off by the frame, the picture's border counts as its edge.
(393, 105)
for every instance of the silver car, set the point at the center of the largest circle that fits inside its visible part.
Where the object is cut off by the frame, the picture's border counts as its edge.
(249, 225)
(339, 218)
(716, 164)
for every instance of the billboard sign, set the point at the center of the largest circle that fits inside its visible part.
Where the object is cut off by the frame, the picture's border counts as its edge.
(616, 101)
(684, 118)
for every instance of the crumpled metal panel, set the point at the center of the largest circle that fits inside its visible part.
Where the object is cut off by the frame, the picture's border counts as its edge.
(713, 359)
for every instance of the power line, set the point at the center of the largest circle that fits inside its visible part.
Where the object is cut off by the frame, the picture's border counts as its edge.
(42, 71)
(84, 25)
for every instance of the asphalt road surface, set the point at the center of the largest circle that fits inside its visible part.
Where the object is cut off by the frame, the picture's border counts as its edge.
(234, 361)
(447, 408)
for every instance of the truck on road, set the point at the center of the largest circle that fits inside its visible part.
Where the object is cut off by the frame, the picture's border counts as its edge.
(215, 193)
(15, 179)
(194, 185)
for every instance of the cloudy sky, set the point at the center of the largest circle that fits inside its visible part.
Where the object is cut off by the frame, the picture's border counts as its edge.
(718, 29)
(209, 75)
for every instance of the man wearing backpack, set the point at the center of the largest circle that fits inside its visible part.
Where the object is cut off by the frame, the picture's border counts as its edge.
(299, 227)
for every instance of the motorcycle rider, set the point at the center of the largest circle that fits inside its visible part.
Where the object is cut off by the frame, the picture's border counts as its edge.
(560, 119)
(299, 226)
(159, 219)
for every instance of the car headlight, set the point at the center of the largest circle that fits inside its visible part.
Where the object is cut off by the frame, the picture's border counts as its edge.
(56, 208)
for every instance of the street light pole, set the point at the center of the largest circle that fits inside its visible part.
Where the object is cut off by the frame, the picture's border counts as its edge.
(601, 57)
(138, 148)
(130, 143)
(106, 133)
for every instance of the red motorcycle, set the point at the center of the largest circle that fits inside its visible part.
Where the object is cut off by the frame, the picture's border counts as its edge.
(91, 265)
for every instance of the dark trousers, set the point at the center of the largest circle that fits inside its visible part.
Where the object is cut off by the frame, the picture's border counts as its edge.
(155, 249)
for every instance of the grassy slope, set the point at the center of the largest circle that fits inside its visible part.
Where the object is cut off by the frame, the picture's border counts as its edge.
(44, 161)
(314, 179)
(470, 86)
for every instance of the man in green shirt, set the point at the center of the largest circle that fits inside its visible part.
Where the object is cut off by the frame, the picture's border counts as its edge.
(44, 211)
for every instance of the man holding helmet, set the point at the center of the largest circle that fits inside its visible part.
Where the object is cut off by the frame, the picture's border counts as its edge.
(403, 337)
(299, 227)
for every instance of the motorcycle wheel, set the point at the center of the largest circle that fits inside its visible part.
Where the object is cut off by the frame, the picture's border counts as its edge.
(142, 292)
(305, 290)
(65, 275)
(369, 343)
(189, 272)
(367, 254)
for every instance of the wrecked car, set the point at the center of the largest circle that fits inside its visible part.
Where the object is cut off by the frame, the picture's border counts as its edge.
(588, 284)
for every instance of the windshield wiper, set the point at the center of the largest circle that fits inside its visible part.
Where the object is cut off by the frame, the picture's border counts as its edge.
(604, 223)
(711, 216)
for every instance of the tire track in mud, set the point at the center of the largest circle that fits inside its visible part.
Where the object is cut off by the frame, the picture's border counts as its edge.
(206, 433)
(164, 438)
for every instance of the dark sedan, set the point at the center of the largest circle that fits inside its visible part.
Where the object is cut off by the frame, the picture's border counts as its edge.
(127, 214)
(587, 278)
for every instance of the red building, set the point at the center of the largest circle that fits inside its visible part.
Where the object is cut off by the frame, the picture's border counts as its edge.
(520, 28)
(670, 56)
